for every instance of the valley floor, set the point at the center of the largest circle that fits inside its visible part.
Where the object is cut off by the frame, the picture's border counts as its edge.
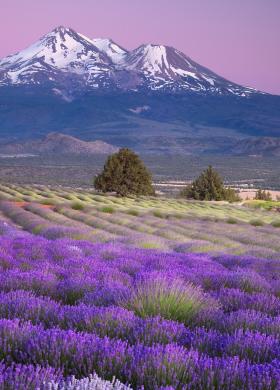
(170, 172)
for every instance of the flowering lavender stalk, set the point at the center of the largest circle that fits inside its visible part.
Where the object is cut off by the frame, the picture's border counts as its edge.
(23, 377)
(93, 382)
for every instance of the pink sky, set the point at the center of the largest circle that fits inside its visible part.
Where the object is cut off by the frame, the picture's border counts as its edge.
(238, 39)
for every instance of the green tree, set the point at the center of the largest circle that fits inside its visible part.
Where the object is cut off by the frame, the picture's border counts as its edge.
(263, 195)
(209, 186)
(125, 173)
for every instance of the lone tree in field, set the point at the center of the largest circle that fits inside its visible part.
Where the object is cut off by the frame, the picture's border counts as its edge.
(125, 174)
(209, 186)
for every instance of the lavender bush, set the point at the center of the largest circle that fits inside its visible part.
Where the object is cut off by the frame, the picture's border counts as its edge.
(76, 314)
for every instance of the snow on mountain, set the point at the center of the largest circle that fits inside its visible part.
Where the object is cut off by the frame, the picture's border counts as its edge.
(62, 50)
(110, 48)
(167, 68)
(69, 59)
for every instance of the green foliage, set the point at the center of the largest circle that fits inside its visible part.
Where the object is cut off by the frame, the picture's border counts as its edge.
(108, 209)
(231, 195)
(170, 299)
(178, 216)
(276, 224)
(231, 221)
(150, 245)
(256, 222)
(82, 197)
(263, 204)
(159, 214)
(48, 202)
(125, 174)
(16, 199)
(133, 212)
(263, 195)
(77, 206)
(37, 229)
(209, 186)
(68, 197)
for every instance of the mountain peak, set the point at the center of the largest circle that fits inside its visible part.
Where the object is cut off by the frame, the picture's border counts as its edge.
(152, 46)
(150, 57)
(61, 32)
(62, 29)
(69, 60)
(166, 68)
(62, 53)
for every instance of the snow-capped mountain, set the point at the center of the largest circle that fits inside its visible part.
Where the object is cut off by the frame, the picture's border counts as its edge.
(57, 55)
(166, 68)
(65, 59)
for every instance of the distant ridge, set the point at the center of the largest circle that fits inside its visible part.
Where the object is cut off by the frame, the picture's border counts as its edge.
(57, 143)
(268, 146)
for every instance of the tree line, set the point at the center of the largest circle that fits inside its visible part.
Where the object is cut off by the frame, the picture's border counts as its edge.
(126, 174)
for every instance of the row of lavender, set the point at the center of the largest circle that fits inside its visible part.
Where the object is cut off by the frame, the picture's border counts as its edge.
(24, 377)
(158, 320)
(146, 231)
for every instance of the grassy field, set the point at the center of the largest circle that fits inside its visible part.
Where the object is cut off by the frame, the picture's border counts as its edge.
(263, 204)
(159, 293)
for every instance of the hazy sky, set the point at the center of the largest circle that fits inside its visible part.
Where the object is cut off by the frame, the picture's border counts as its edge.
(238, 39)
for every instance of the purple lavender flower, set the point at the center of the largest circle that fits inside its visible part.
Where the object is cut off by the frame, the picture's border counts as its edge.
(155, 320)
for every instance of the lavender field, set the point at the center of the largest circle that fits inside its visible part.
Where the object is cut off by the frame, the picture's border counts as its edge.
(99, 292)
